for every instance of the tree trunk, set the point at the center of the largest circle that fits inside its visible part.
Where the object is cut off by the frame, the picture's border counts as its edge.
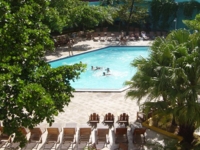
(174, 121)
(130, 14)
(187, 131)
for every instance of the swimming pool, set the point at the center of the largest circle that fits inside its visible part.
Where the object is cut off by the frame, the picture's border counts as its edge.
(117, 59)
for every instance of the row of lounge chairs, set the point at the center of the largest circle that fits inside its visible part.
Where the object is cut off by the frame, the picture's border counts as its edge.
(62, 40)
(71, 136)
(132, 36)
(109, 118)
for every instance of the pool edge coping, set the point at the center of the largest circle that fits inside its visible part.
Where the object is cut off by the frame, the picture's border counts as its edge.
(103, 90)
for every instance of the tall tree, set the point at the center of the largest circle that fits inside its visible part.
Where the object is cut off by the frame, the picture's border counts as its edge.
(129, 11)
(133, 11)
(30, 90)
(170, 78)
(163, 13)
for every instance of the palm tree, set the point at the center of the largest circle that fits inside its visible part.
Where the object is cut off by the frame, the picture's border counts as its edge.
(170, 80)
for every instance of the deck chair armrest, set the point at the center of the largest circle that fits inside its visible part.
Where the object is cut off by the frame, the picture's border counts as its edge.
(44, 130)
(79, 138)
(107, 139)
(74, 141)
(40, 140)
(11, 138)
(58, 141)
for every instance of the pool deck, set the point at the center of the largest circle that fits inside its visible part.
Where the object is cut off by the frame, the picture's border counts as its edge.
(89, 45)
(85, 103)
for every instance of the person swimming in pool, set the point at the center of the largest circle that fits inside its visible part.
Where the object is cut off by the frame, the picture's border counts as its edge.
(97, 68)
(106, 74)
(107, 70)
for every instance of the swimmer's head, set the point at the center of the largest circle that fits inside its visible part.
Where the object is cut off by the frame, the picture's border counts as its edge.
(108, 69)
(104, 73)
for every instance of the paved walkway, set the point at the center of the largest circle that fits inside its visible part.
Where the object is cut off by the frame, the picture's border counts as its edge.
(84, 46)
(85, 103)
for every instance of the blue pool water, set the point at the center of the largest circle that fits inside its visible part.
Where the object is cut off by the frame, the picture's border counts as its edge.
(117, 59)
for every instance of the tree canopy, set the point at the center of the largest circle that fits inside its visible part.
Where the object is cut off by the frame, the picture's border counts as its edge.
(128, 11)
(133, 11)
(76, 13)
(163, 13)
(30, 90)
(91, 16)
(170, 80)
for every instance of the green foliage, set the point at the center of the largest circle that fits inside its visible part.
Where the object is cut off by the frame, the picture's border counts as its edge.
(76, 13)
(193, 24)
(61, 13)
(30, 90)
(169, 79)
(163, 13)
(91, 16)
(133, 11)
